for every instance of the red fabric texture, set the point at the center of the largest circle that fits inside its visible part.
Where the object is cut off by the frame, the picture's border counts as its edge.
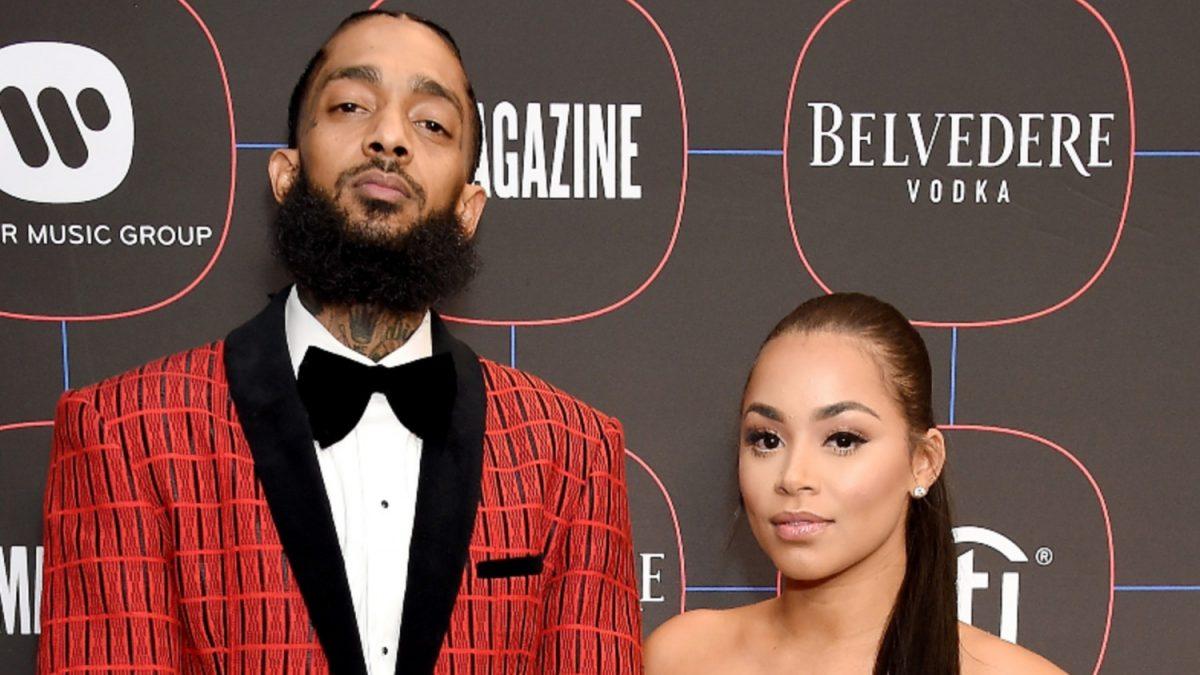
(161, 554)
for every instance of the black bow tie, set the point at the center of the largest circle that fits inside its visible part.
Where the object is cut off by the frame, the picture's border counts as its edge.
(335, 390)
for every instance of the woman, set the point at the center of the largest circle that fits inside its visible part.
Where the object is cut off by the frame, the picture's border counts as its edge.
(839, 470)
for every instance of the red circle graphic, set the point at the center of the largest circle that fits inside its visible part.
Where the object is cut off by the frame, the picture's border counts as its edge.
(1112, 568)
(674, 521)
(678, 213)
(787, 190)
(212, 261)
(13, 426)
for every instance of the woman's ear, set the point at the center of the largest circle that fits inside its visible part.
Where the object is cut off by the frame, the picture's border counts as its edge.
(928, 458)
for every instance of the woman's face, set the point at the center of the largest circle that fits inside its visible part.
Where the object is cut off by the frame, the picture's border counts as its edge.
(825, 466)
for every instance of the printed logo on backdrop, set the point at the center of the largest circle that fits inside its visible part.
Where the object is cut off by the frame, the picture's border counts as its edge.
(24, 460)
(584, 156)
(116, 159)
(1034, 544)
(76, 144)
(657, 545)
(983, 181)
(971, 579)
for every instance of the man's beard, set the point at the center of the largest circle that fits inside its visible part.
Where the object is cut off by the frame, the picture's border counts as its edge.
(343, 262)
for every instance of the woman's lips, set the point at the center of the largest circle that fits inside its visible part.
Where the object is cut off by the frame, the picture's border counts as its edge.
(799, 526)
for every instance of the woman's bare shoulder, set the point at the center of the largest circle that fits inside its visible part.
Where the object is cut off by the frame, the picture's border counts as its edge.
(694, 641)
(986, 654)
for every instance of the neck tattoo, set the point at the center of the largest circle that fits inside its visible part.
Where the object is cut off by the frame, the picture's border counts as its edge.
(369, 330)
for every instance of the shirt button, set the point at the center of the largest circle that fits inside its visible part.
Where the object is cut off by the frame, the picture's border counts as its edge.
(385, 651)
(384, 503)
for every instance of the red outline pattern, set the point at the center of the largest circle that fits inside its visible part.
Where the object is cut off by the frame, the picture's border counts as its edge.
(14, 426)
(787, 191)
(678, 214)
(1112, 566)
(212, 261)
(675, 522)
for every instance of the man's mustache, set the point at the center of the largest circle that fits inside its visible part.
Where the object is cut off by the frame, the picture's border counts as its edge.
(386, 166)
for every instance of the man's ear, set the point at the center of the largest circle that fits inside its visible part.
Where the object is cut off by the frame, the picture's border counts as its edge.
(283, 168)
(928, 458)
(470, 207)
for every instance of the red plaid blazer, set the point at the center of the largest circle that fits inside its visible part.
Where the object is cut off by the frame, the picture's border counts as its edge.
(186, 528)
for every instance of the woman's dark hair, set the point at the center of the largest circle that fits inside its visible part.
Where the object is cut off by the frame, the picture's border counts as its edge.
(922, 631)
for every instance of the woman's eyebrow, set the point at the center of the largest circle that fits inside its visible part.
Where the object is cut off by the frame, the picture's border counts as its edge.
(835, 409)
(766, 411)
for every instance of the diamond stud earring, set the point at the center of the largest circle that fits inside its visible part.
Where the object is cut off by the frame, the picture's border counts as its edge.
(919, 491)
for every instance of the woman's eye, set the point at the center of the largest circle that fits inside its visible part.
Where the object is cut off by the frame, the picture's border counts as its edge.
(763, 442)
(844, 442)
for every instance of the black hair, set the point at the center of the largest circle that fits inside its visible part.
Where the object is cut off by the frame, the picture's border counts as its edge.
(300, 91)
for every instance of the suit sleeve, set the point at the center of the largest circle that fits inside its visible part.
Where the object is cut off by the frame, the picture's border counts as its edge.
(108, 601)
(591, 620)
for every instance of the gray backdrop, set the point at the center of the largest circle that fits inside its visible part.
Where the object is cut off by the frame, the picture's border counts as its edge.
(668, 180)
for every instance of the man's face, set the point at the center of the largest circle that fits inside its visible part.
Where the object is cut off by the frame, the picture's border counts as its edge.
(385, 129)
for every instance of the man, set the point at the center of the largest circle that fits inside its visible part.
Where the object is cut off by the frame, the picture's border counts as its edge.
(340, 485)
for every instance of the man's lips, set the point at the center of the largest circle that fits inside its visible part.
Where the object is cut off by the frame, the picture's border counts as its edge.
(799, 525)
(386, 187)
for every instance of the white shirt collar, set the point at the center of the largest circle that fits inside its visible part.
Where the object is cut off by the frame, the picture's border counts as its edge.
(304, 331)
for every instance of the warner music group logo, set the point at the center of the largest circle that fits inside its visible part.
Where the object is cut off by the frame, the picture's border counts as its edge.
(67, 132)
(67, 137)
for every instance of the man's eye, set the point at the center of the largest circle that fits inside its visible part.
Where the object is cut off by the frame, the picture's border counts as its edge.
(436, 128)
(347, 107)
(844, 442)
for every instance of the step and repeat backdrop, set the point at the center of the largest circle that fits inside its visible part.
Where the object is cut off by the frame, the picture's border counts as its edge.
(667, 180)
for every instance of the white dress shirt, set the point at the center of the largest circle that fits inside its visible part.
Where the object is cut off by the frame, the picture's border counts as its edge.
(371, 481)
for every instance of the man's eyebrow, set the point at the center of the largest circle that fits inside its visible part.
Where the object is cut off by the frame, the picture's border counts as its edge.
(766, 411)
(369, 74)
(431, 87)
(835, 409)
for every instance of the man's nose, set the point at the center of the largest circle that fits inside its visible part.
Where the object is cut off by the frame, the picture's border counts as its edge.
(389, 137)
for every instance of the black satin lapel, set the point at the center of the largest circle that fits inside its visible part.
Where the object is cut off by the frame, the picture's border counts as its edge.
(263, 387)
(447, 498)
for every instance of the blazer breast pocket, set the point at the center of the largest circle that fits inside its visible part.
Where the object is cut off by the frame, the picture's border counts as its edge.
(499, 568)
